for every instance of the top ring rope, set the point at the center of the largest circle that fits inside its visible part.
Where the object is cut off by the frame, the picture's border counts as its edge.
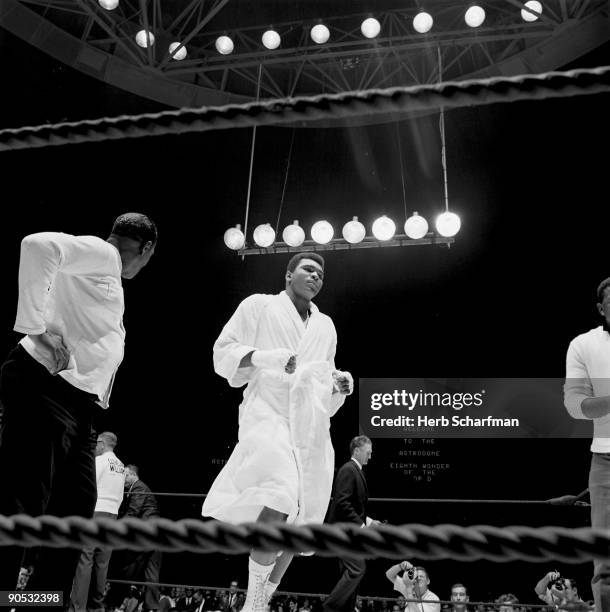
(452, 94)
(541, 544)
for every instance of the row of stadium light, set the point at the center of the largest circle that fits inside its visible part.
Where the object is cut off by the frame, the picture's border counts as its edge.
(416, 227)
(320, 34)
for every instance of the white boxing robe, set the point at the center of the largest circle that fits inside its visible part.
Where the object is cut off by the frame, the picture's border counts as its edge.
(284, 458)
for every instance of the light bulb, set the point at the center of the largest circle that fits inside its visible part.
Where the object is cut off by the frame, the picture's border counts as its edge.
(234, 238)
(353, 231)
(224, 45)
(271, 39)
(180, 54)
(322, 232)
(535, 6)
(384, 228)
(264, 235)
(370, 27)
(422, 22)
(448, 224)
(475, 16)
(416, 226)
(320, 34)
(293, 235)
(143, 40)
(109, 5)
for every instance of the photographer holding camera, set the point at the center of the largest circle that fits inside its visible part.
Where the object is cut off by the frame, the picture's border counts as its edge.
(413, 584)
(555, 590)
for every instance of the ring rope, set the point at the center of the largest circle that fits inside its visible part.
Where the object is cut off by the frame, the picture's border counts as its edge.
(444, 541)
(451, 94)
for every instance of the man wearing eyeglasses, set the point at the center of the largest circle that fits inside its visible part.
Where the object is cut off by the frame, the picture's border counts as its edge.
(413, 584)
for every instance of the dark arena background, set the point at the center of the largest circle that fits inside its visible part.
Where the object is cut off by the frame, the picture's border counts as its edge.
(530, 183)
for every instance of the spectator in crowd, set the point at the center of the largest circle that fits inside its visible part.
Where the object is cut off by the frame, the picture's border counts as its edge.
(396, 608)
(139, 502)
(459, 597)
(92, 569)
(166, 603)
(199, 601)
(305, 607)
(555, 590)
(132, 601)
(233, 600)
(186, 603)
(507, 603)
(413, 584)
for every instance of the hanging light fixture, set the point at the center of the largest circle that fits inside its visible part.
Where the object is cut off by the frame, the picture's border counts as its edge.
(475, 16)
(353, 231)
(322, 232)
(234, 238)
(384, 228)
(180, 54)
(294, 235)
(320, 34)
(422, 22)
(448, 224)
(533, 5)
(145, 39)
(224, 45)
(370, 27)
(271, 39)
(264, 235)
(416, 227)
(109, 5)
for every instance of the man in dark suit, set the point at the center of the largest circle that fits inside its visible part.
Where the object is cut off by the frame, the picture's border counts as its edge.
(140, 502)
(350, 497)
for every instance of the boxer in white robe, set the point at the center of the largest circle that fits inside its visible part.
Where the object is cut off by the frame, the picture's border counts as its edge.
(283, 348)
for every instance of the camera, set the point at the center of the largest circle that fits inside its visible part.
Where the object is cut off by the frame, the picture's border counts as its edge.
(559, 584)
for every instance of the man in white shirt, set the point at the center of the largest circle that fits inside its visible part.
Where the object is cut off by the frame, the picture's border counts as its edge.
(587, 396)
(413, 584)
(90, 578)
(70, 309)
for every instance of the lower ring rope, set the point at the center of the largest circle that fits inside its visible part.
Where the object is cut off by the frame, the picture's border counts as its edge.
(452, 94)
(445, 541)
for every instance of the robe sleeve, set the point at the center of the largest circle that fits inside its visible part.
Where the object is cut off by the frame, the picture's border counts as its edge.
(336, 399)
(237, 339)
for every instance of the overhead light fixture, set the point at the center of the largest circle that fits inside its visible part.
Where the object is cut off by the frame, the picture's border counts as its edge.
(533, 5)
(180, 54)
(145, 39)
(264, 235)
(109, 5)
(294, 235)
(475, 16)
(353, 231)
(384, 228)
(416, 226)
(271, 39)
(448, 224)
(422, 22)
(234, 238)
(224, 45)
(320, 34)
(322, 232)
(370, 27)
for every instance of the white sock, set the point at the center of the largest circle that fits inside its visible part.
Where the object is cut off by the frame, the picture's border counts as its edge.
(257, 582)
